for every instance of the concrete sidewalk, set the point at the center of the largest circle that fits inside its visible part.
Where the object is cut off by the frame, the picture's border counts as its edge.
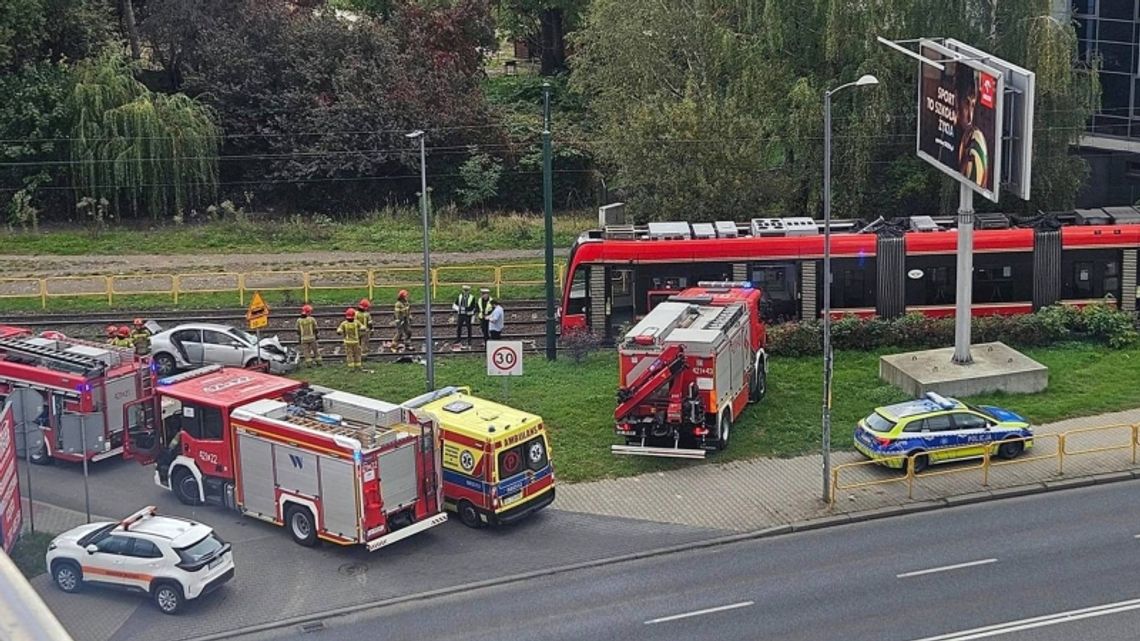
(769, 492)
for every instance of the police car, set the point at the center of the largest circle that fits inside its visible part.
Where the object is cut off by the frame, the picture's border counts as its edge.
(931, 426)
(170, 559)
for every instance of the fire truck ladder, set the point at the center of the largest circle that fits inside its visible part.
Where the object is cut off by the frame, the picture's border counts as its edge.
(20, 351)
(725, 318)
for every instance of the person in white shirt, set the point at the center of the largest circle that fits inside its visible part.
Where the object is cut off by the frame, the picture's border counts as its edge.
(495, 320)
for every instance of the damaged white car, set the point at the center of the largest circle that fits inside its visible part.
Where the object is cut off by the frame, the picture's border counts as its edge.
(192, 345)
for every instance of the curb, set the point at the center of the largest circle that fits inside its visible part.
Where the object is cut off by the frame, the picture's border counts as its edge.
(779, 530)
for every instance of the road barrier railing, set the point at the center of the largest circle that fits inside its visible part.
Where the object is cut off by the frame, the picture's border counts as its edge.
(379, 281)
(1060, 446)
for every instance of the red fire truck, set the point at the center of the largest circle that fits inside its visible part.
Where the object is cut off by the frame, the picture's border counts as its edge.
(86, 399)
(324, 464)
(688, 370)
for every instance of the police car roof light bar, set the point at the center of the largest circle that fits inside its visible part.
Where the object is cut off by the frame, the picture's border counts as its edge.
(940, 401)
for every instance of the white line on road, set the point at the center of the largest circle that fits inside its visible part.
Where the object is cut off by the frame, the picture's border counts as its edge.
(1136, 536)
(945, 568)
(1038, 622)
(721, 608)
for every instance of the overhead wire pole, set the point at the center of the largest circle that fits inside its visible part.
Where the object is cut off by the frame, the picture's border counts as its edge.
(428, 351)
(548, 215)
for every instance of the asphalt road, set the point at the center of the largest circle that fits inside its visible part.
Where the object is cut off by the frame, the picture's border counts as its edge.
(1024, 565)
(277, 578)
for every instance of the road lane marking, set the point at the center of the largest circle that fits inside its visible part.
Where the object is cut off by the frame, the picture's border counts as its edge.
(1136, 536)
(1022, 625)
(945, 568)
(697, 613)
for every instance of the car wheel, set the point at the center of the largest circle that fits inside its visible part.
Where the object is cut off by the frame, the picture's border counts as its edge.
(67, 576)
(168, 598)
(185, 487)
(921, 462)
(468, 515)
(164, 364)
(759, 385)
(302, 526)
(1010, 449)
(723, 430)
(41, 456)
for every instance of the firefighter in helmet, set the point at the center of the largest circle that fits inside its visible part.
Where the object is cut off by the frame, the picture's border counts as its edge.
(350, 330)
(123, 337)
(140, 337)
(307, 329)
(112, 335)
(364, 319)
(403, 312)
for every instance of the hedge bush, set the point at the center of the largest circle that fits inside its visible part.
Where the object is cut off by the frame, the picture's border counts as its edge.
(1097, 323)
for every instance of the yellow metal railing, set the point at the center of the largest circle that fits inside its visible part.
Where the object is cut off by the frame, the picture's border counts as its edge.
(368, 282)
(987, 461)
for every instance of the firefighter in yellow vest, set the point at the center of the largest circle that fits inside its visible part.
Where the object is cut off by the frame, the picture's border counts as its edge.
(123, 337)
(307, 329)
(140, 337)
(403, 312)
(350, 330)
(364, 319)
(113, 335)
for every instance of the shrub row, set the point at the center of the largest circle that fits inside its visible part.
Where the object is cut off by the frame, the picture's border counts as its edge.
(1096, 323)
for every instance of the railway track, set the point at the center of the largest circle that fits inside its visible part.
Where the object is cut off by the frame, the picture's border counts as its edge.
(525, 321)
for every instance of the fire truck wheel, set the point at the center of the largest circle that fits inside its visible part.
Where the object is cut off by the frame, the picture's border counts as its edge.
(185, 487)
(41, 456)
(468, 515)
(723, 431)
(759, 385)
(301, 525)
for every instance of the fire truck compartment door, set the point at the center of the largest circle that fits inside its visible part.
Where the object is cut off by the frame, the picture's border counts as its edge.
(398, 476)
(338, 497)
(296, 470)
(119, 392)
(72, 427)
(257, 483)
(27, 404)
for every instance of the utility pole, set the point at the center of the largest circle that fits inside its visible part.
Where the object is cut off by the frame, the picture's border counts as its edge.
(548, 214)
(428, 351)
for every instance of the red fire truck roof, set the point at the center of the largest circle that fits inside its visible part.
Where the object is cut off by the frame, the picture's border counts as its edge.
(7, 331)
(225, 387)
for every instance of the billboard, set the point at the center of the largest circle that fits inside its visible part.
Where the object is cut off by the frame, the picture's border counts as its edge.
(960, 118)
(11, 518)
(1017, 123)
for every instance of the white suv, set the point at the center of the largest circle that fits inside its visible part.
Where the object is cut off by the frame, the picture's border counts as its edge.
(171, 559)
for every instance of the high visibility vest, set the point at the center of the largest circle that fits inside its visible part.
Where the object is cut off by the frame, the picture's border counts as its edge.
(484, 307)
(350, 329)
(463, 302)
(307, 325)
(141, 338)
(364, 319)
(403, 311)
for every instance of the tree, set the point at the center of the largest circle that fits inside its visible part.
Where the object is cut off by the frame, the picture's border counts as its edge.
(546, 22)
(713, 108)
(480, 175)
(314, 106)
(145, 153)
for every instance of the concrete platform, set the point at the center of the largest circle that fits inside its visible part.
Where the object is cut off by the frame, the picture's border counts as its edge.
(996, 368)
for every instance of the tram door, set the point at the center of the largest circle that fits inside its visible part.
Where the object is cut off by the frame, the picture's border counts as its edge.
(780, 290)
(622, 297)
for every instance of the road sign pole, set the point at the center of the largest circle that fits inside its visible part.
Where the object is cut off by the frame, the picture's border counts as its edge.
(548, 216)
(86, 492)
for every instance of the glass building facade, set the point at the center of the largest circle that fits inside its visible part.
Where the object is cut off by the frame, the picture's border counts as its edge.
(1110, 30)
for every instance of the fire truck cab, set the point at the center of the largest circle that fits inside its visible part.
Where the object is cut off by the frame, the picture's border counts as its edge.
(75, 399)
(324, 464)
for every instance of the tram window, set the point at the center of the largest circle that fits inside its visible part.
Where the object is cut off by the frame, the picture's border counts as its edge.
(1112, 278)
(579, 292)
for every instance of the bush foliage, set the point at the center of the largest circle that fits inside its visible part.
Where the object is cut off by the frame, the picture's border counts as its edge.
(1095, 323)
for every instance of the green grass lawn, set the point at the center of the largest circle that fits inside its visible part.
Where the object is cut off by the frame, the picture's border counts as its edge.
(389, 231)
(577, 400)
(28, 553)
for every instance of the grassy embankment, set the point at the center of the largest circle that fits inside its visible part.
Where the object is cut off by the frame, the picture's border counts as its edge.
(577, 400)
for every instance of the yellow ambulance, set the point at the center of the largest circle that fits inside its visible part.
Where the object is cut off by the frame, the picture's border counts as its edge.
(496, 459)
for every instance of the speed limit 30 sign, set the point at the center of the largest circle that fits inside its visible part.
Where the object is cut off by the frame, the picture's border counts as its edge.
(504, 358)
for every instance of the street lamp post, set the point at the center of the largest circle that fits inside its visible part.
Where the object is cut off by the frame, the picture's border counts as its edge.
(428, 351)
(828, 358)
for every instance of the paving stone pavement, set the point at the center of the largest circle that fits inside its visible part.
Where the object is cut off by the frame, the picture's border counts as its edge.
(768, 492)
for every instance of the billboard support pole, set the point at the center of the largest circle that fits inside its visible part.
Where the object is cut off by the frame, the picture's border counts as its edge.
(965, 293)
